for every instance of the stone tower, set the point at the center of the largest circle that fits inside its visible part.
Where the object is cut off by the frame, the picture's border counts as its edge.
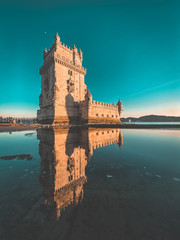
(64, 97)
(62, 84)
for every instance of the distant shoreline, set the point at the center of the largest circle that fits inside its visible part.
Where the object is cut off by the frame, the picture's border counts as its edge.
(139, 126)
(18, 127)
(27, 127)
(152, 118)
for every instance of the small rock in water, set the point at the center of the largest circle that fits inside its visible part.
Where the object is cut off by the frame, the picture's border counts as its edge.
(158, 176)
(108, 176)
(26, 170)
(176, 179)
(32, 172)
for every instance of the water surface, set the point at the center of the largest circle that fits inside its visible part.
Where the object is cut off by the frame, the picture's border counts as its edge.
(90, 184)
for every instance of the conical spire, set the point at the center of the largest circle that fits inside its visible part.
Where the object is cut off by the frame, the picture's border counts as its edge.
(80, 54)
(57, 38)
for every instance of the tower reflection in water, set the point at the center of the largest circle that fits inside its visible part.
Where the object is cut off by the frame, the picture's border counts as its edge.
(64, 155)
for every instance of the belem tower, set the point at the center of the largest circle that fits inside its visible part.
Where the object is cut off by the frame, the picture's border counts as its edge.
(64, 96)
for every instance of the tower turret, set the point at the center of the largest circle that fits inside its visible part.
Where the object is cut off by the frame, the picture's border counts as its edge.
(88, 97)
(80, 55)
(57, 38)
(120, 142)
(74, 49)
(119, 104)
(44, 53)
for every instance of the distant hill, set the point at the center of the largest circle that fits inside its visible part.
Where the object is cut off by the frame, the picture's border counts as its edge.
(152, 118)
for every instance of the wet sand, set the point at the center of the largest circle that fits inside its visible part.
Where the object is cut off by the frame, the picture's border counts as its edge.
(18, 127)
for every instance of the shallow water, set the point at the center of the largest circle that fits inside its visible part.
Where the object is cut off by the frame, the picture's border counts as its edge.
(90, 184)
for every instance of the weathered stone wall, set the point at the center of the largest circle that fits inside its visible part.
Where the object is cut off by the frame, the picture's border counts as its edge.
(99, 112)
(46, 97)
(70, 91)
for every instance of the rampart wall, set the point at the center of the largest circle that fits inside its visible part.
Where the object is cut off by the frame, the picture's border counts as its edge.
(99, 112)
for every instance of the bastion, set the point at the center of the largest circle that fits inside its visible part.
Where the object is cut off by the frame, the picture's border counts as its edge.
(64, 97)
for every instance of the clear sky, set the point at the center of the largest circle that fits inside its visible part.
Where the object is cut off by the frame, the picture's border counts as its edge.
(131, 49)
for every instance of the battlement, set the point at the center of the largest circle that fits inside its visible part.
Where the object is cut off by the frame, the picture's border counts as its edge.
(60, 44)
(63, 54)
(69, 62)
(107, 105)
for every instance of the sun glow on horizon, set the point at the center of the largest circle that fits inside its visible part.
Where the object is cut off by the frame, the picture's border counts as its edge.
(20, 110)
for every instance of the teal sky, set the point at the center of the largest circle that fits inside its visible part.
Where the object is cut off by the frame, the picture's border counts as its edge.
(131, 49)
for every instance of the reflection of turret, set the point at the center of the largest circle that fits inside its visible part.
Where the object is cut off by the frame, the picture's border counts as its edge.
(64, 154)
(120, 143)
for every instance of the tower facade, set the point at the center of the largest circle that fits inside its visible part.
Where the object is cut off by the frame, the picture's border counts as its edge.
(62, 84)
(64, 97)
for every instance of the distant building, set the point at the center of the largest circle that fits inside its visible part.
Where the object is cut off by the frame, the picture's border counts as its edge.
(64, 97)
(9, 120)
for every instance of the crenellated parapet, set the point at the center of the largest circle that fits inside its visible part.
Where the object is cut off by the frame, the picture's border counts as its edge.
(46, 52)
(104, 105)
(96, 112)
(55, 57)
(63, 54)
(68, 63)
